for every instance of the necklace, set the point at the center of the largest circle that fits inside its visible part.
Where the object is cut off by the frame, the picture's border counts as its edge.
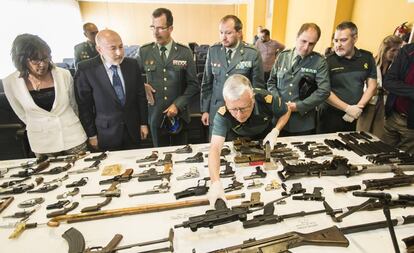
(36, 83)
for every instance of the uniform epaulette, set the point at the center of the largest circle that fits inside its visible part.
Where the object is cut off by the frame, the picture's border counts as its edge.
(285, 51)
(247, 45)
(222, 110)
(217, 44)
(182, 45)
(147, 44)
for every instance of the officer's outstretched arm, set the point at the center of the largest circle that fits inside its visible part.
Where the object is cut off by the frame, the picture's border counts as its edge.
(271, 137)
(216, 189)
(214, 157)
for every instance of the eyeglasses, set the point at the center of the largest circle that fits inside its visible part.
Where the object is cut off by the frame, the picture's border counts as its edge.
(158, 29)
(240, 109)
(38, 61)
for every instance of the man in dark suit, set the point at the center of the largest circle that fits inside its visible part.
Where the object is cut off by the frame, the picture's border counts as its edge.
(86, 50)
(171, 80)
(111, 96)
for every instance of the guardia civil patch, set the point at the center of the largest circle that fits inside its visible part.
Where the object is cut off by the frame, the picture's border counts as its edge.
(222, 110)
(268, 99)
(179, 63)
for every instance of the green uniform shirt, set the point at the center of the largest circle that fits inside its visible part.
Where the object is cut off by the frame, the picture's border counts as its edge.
(266, 107)
(84, 51)
(284, 82)
(246, 60)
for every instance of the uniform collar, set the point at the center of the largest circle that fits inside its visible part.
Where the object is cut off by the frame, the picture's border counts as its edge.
(233, 48)
(168, 46)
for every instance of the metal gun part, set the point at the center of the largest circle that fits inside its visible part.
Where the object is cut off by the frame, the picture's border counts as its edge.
(31, 202)
(197, 158)
(316, 195)
(58, 205)
(99, 157)
(184, 150)
(234, 186)
(150, 158)
(200, 189)
(192, 173)
(255, 184)
(72, 193)
(75, 240)
(93, 167)
(63, 211)
(164, 187)
(258, 174)
(79, 183)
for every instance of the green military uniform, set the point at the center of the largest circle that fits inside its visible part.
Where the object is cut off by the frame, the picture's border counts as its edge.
(246, 60)
(175, 82)
(284, 82)
(266, 108)
(84, 51)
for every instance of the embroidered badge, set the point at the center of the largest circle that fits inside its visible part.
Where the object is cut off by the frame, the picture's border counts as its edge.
(179, 63)
(222, 110)
(365, 65)
(268, 99)
(306, 70)
(244, 65)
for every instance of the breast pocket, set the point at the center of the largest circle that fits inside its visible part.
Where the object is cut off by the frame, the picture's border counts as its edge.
(150, 67)
(215, 70)
(281, 76)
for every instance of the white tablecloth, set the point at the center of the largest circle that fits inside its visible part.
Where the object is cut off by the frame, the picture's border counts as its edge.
(152, 226)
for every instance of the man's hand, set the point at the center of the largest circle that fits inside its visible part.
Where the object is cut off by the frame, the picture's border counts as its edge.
(348, 118)
(354, 111)
(93, 142)
(148, 92)
(291, 106)
(144, 132)
(171, 111)
(271, 137)
(216, 192)
(205, 118)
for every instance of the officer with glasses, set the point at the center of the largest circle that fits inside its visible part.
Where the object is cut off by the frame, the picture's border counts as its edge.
(171, 81)
(247, 112)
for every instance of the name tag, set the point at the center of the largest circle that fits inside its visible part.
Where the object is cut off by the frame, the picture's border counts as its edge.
(244, 65)
(306, 70)
(179, 63)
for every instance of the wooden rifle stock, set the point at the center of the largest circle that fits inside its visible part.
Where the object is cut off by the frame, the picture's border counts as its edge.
(80, 217)
(282, 243)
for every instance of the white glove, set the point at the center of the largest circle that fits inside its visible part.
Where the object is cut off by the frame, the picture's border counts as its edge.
(271, 137)
(348, 118)
(215, 192)
(354, 111)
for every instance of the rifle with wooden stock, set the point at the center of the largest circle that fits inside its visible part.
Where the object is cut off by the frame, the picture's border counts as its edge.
(147, 208)
(333, 236)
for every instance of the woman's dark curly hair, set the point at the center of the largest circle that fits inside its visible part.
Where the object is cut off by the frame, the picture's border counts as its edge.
(28, 46)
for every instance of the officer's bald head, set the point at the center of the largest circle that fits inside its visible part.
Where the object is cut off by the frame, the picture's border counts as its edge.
(110, 47)
(235, 86)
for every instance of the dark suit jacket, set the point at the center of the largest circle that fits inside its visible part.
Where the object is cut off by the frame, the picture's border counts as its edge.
(100, 110)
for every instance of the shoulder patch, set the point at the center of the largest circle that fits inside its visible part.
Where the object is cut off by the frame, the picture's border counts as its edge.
(268, 99)
(222, 110)
(247, 45)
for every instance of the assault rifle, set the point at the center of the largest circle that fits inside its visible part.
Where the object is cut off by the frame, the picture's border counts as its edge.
(76, 243)
(338, 166)
(221, 214)
(379, 184)
(332, 236)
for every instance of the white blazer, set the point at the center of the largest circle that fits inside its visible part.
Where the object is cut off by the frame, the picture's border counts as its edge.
(48, 132)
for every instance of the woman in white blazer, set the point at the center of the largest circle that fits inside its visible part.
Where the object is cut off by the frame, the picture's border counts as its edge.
(42, 96)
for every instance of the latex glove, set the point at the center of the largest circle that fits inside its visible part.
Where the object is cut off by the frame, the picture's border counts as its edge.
(354, 111)
(271, 137)
(348, 118)
(215, 192)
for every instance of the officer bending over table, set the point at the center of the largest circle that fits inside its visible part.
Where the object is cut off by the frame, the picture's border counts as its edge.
(247, 112)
